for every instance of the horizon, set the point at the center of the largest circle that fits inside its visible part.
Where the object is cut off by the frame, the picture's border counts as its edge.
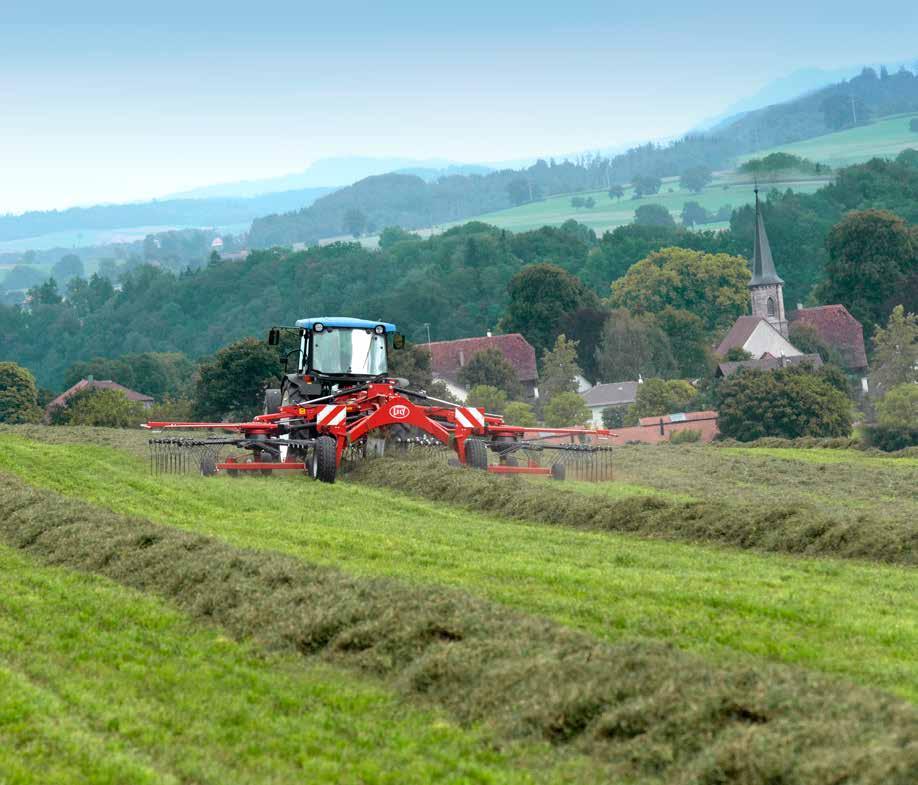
(113, 105)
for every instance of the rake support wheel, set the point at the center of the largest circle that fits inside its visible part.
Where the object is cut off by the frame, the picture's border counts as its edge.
(325, 459)
(476, 454)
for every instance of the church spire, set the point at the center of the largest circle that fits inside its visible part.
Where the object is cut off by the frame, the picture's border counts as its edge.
(763, 266)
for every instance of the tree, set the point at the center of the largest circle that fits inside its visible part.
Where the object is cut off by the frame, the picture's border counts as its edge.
(412, 363)
(69, 266)
(711, 286)
(583, 328)
(231, 383)
(46, 293)
(613, 417)
(688, 341)
(693, 213)
(559, 370)
(518, 191)
(646, 185)
(541, 296)
(21, 278)
(809, 341)
(695, 179)
(395, 234)
(519, 413)
(103, 409)
(355, 222)
(737, 354)
(566, 410)
(491, 399)
(490, 367)
(653, 215)
(788, 403)
(18, 395)
(870, 254)
(899, 407)
(657, 397)
(895, 353)
(616, 192)
(633, 346)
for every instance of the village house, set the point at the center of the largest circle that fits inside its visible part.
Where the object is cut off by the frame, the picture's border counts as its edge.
(92, 384)
(448, 358)
(619, 395)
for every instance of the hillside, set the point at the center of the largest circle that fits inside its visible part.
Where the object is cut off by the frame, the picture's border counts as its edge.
(411, 205)
(883, 138)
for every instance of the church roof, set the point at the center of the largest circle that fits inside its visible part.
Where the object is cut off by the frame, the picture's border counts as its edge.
(763, 265)
(740, 332)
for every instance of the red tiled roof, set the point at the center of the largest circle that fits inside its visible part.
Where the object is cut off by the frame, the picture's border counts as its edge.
(838, 328)
(86, 384)
(447, 357)
(739, 333)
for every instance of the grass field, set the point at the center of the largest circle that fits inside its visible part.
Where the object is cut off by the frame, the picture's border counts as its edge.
(451, 644)
(884, 138)
(839, 617)
(610, 213)
(99, 684)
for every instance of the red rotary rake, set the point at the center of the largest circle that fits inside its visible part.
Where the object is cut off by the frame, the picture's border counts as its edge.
(339, 399)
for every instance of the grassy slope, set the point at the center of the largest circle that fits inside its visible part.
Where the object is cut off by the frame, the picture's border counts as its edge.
(609, 213)
(845, 618)
(883, 138)
(100, 684)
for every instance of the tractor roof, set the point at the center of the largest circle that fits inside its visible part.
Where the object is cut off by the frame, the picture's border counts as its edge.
(343, 321)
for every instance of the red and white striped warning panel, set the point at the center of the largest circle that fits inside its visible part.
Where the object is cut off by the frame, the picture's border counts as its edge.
(331, 415)
(469, 417)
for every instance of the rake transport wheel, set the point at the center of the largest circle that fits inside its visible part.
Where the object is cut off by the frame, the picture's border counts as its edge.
(558, 471)
(476, 454)
(208, 465)
(324, 459)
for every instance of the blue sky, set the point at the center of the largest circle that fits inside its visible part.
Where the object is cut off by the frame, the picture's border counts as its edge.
(105, 101)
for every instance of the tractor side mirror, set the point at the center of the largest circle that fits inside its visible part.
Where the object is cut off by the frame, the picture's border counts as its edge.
(273, 336)
(398, 341)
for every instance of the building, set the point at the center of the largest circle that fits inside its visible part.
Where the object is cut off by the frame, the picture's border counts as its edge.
(768, 363)
(765, 335)
(619, 395)
(448, 358)
(839, 330)
(91, 384)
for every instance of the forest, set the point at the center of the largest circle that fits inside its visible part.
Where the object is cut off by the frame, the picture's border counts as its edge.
(457, 282)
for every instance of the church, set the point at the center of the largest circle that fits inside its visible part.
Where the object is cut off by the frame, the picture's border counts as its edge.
(765, 334)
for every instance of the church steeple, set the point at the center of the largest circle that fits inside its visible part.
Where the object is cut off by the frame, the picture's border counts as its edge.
(766, 289)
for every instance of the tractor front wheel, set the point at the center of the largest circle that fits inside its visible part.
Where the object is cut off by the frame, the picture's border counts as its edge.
(476, 454)
(325, 459)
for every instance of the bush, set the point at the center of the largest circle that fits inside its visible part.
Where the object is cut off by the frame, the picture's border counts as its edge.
(789, 402)
(18, 395)
(899, 407)
(489, 398)
(566, 410)
(891, 438)
(101, 408)
(519, 413)
(613, 417)
(687, 436)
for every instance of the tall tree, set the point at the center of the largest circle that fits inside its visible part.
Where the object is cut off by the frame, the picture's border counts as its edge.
(69, 266)
(541, 295)
(566, 410)
(870, 254)
(711, 286)
(653, 215)
(559, 369)
(633, 346)
(232, 382)
(355, 222)
(696, 178)
(895, 353)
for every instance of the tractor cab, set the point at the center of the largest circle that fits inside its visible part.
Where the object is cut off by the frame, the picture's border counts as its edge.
(330, 353)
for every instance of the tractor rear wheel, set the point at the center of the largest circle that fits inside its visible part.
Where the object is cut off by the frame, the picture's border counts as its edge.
(325, 459)
(476, 454)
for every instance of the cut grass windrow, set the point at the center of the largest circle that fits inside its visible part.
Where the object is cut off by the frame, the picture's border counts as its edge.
(841, 617)
(101, 684)
(640, 709)
(776, 526)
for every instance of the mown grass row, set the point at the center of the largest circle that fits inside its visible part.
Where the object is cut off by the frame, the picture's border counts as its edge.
(774, 524)
(858, 620)
(102, 684)
(639, 709)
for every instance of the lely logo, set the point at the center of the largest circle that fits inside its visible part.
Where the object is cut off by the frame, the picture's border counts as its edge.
(399, 411)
